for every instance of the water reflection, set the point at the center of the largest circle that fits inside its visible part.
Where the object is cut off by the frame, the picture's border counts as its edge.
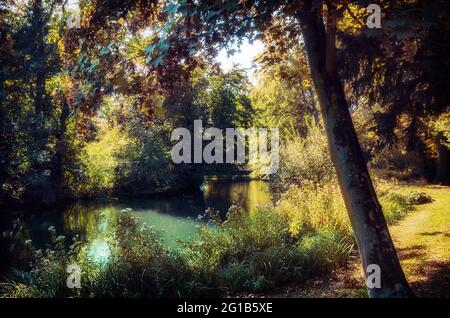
(248, 194)
(98, 251)
(173, 216)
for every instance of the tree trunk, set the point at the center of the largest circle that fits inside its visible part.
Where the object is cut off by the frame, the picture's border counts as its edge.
(442, 171)
(366, 217)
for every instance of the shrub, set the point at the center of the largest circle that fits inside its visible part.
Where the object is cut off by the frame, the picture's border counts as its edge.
(395, 206)
(394, 163)
(416, 198)
(304, 161)
(47, 277)
(144, 164)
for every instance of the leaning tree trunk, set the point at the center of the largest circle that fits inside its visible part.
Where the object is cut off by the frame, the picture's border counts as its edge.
(366, 216)
(442, 171)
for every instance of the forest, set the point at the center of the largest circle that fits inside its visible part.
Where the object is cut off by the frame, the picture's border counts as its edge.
(353, 97)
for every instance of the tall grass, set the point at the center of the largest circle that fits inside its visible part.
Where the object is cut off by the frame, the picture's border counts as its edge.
(305, 233)
(247, 252)
(311, 208)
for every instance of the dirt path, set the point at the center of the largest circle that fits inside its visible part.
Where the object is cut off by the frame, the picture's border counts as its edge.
(422, 240)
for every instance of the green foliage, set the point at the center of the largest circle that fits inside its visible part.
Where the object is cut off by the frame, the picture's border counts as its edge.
(99, 160)
(127, 156)
(395, 207)
(393, 163)
(324, 250)
(48, 275)
(306, 233)
(304, 161)
(416, 198)
(308, 193)
(239, 235)
(140, 265)
(247, 252)
(284, 96)
(83, 115)
(226, 99)
(144, 164)
(314, 208)
(32, 118)
(441, 127)
(219, 99)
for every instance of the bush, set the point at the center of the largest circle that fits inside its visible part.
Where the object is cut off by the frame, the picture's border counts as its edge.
(47, 277)
(145, 165)
(395, 207)
(256, 243)
(304, 161)
(416, 198)
(393, 163)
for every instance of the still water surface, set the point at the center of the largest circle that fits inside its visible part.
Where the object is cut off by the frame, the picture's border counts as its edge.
(174, 216)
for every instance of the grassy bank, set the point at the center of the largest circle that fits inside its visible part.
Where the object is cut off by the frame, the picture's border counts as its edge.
(305, 234)
(422, 241)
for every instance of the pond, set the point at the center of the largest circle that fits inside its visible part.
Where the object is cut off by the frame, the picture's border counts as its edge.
(174, 216)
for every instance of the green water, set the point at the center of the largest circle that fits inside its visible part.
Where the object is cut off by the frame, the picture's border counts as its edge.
(174, 216)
